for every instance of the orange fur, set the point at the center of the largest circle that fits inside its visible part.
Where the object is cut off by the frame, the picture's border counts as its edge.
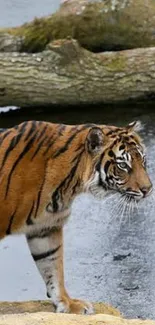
(43, 166)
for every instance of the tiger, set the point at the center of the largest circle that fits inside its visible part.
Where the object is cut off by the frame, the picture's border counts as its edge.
(43, 167)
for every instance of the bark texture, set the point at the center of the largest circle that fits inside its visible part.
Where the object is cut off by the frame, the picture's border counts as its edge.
(97, 25)
(67, 74)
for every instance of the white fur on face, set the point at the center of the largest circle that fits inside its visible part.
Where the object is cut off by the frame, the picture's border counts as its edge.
(93, 186)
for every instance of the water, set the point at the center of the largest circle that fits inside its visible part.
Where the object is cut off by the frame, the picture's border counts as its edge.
(17, 12)
(107, 258)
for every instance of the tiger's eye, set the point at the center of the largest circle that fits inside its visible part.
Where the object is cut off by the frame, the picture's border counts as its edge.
(122, 165)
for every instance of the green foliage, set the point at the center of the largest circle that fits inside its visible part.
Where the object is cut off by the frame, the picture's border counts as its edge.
(98, 28)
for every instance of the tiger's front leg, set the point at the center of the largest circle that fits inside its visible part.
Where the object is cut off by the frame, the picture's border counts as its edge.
(47, 252)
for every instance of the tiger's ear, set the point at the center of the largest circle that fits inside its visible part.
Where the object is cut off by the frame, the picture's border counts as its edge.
(135, 126)
(95, 140)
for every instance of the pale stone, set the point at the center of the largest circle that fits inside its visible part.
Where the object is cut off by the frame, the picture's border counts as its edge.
(40, 313)
(67, 319)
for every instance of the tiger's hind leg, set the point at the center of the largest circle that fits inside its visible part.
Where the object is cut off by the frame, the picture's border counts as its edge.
(47, 252)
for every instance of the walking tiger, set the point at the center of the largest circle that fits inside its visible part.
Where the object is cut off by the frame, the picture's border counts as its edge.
(44, 166)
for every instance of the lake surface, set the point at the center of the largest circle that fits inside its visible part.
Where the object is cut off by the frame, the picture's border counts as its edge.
(112, 256)
(17, 12)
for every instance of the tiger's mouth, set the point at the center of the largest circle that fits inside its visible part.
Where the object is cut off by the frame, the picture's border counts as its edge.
(132, 195)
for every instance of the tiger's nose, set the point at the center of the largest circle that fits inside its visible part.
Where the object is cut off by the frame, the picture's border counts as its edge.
(146, 190)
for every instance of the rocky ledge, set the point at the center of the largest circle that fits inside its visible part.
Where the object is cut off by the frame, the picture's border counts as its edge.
(41, 313)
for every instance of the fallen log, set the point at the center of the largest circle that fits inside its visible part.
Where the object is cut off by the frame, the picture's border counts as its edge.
(66, 74)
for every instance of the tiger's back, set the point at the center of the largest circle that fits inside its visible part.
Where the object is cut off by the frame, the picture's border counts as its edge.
(34, 159)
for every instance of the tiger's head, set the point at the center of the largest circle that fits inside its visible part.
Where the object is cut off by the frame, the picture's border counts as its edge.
(120, 162)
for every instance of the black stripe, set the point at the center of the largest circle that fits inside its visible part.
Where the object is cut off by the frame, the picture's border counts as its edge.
(73, 170)
(22, 154)
(111, 153)
(4, 136)
(106, 167)
(74, 189)
(79, 154)
(81, 145)
(110, 132)
(114, 131)
(39, 196)
(22, 127)
(55, 197)
(49, 281)
(98, 165)
(31, 130)
(15, 140)
(122, 147)
(68, 178)
(101, 183)
(28, 219)
(48, 147)
(114, 143)
(48, 295)
(132, 143)
(68, 142)
(50, 143)
(8, 231)
(41, 234)
(62, 128)
(45, 232)
(98, 168)
(39, 146)
(42, 133)
(11, 146)
(65, 147)
(46, 254)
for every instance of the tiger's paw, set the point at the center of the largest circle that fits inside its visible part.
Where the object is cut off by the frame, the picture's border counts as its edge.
(74, 306)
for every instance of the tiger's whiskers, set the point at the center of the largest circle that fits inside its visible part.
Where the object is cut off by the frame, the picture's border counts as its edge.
(117, 207)
(122, 217)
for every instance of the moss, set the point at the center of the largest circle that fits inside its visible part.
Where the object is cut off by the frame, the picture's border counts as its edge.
(98, 28)
(117, 63)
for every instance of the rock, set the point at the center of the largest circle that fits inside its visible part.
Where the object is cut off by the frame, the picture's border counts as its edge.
(40, 313)
(97, 25)
(42, 318)
(112, 24)
(73, 7)
(10, 43)
(46, 306)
